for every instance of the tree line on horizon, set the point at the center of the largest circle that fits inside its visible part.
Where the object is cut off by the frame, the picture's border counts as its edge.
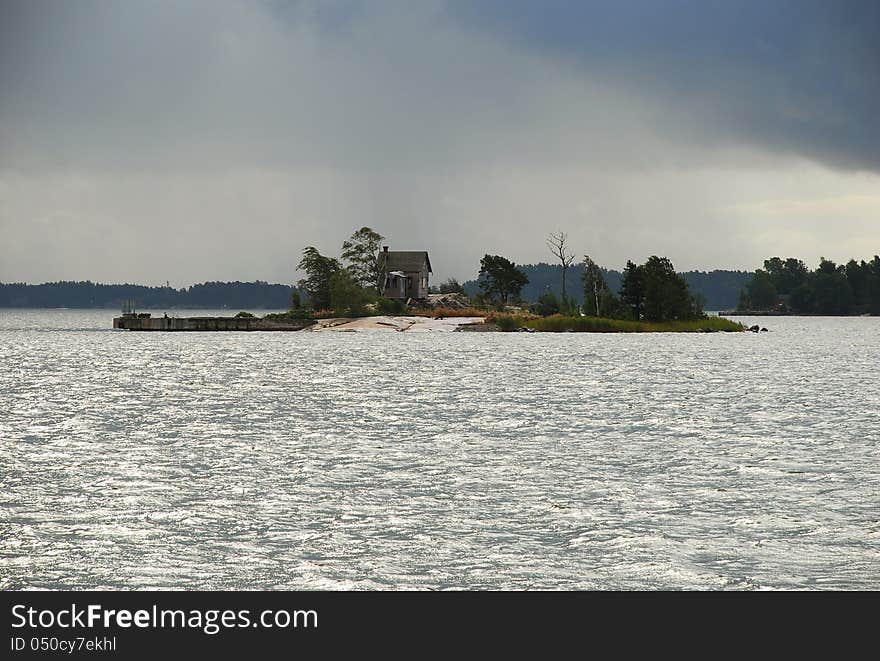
(788, 286)
(783, 285)
(720, 289)
(87, 294)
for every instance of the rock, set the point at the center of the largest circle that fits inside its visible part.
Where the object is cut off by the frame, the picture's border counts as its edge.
(479, 327)
(453, 301)
(764, 330)
(755, 328)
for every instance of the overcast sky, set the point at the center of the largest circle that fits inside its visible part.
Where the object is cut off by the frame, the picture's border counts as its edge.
(191, 141)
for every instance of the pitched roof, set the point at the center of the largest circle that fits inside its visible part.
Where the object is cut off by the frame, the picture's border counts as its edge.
(405, 260)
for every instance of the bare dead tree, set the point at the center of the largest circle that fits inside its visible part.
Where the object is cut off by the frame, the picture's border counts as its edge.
(556, 243)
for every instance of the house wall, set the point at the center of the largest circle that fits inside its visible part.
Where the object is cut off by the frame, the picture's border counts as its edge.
(395, 289)
(421, 284)
(416, 285)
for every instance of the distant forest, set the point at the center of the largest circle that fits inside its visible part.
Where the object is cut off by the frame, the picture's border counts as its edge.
(788, 286)
(232, 295)
(720, 289)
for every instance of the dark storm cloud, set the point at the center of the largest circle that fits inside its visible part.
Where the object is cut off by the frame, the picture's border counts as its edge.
(792, 75)
(381, 84)
(213, 139)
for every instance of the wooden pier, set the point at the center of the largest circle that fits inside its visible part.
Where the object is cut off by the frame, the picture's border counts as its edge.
(146, 322)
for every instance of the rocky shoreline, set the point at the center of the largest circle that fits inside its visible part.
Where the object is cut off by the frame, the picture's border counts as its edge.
(402, 323)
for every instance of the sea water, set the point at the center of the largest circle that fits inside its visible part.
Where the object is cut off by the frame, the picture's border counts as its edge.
(387, 460)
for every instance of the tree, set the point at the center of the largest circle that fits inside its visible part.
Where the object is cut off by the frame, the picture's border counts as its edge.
(632, 288)
(319, 272)
(667, 296)
(347, 297)
(547, 304)
(500, 279)
(786, 276)
(858, 274)
(451, 286)
(760, 293)
(595, 287)
(361, 255)
(801, 299)
(832, 292)
(556, 243)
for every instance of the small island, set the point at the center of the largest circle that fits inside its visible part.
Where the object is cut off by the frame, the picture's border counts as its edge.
(372, 289)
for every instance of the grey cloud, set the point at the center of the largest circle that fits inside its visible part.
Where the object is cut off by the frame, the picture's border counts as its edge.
(801, 76)
(231, 84)
(205, 140)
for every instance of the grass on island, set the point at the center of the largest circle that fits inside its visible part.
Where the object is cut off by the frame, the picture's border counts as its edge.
(512, 321)
(290, 315)
(561, 324)
(447, 312)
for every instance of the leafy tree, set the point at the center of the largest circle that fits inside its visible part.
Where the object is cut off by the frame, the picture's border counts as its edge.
(829, 290)
(858, 275)
(361, 256)
(832, 293)
(632, 288)
(801, 299)
(873, 294)
(667, 297)
(451, 286)
(500, 279)
(787, 275)
(547, 304)
(760, 293)
(319, 273)
(595, 287)
(556, 242)
(347, 297)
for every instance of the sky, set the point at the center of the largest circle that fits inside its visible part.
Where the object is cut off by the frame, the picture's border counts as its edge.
(153, 141)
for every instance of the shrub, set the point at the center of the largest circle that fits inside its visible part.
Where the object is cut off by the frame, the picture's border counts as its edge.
(244, 315)
(347, 297)
(560, 324)
(390, 306)
(290, 314)
(451, 286)
(547, 304)
(520, 317)
(507, 323)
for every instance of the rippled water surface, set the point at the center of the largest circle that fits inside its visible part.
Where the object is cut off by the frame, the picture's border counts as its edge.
(384, 460)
